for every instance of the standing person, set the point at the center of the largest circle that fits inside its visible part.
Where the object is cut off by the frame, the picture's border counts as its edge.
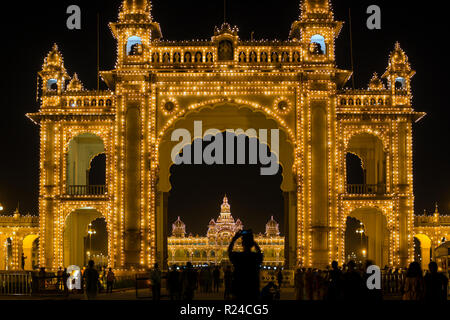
(216, 278)
(155, 278)
(413, 286)
(299, 282)
(334, 282)
(246, 266)
(353, 283)
(309, 284)
(59, 279)
(189, 277)
(228, 280)
(110, 278)
(91, 277)
(23, 258)
(173, 283)
(280, 278)
(435, 284)
(209, 279)
(65, 277)
(42, 276)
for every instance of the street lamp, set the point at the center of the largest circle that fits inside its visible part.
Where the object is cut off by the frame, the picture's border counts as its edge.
(360, 230)
(1, 207)
(91, 231)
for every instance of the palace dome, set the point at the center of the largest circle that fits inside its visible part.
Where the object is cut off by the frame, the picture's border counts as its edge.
(178, 228)
(272, 228)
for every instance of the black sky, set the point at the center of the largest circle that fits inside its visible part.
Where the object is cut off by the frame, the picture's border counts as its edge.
(29, 29)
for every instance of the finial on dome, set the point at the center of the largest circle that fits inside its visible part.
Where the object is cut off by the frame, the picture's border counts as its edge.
(135, 10)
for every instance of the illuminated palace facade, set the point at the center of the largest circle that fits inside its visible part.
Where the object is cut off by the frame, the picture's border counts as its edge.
(293, 85)
(212, 248)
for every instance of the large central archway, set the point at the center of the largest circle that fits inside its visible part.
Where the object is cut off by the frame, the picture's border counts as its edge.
(227, 116)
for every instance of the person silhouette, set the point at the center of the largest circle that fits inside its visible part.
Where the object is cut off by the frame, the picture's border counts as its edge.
(435, 284)
(216, 278)
(23, 258)
(353, 283)
(155, 277)
(413, 286)
(227, 281)
(335, 282)
(189, 277)
(91, 275)
(246, 266)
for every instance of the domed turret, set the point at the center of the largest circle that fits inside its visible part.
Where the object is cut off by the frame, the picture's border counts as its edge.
(178, 229)
(53, 73)
(272, 228)
(399, 72)
(54, 60)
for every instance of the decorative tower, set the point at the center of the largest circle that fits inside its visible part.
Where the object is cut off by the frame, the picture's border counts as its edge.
(225, 212)
(134, 31)
(272, 228)
(316, 31)
(53, 73)
(178, 229)
(226, 39)
(398, 75)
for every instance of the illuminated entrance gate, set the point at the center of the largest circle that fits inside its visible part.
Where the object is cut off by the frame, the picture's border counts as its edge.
(227, 83)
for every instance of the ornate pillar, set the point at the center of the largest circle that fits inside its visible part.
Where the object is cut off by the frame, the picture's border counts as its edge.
(161, 229)
(319, 184)
(132, 185)
(290, 229)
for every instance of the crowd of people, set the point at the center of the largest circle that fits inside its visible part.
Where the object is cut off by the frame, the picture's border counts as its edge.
(350, 283)
(241, 280)
(91, 280)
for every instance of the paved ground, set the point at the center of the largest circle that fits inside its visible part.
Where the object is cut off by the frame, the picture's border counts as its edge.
(143, 294)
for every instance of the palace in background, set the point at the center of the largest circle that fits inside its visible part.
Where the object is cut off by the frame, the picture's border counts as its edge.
(227, 82)
(213, 248)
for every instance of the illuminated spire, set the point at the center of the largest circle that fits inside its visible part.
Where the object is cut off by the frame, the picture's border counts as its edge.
(272, 228)
(398, 63)
(178, 228)
(54, 61)
(136, 10)
(225, 207)
(316, 9)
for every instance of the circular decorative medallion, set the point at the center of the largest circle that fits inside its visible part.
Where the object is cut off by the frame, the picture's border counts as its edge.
(282, 105)
(169, 106)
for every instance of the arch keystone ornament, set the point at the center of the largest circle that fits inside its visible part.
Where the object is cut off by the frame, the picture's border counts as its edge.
(157, 87)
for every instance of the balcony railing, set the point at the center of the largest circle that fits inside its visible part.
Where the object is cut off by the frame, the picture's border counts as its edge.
(366, 188)
(88, 190)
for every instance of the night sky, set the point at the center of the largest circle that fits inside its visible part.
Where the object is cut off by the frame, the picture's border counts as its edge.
(29, 30)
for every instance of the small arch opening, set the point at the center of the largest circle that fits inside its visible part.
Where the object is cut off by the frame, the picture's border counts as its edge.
(134, 46)
(319, 44)
(52, 85)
